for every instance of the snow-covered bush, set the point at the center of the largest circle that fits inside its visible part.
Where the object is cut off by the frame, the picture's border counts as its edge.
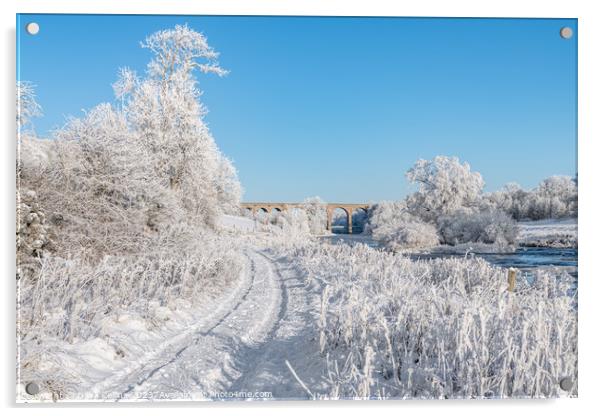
(315, 208)
(34, 155)
(444, 185)
(293, 222)
(410, 233)
(382, 214)
(397, 229)
(448, 328)
(33, 236)
(488, 227)
(98, 191)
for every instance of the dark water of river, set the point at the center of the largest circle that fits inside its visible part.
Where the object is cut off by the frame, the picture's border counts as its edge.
(524, 258)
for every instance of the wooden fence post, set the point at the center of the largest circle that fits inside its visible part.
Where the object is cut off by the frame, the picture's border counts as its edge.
(511, 279)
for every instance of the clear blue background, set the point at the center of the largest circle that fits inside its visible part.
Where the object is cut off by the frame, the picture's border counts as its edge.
(341, 107)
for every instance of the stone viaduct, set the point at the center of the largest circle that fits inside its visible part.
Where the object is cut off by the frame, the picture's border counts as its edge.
(267, 207)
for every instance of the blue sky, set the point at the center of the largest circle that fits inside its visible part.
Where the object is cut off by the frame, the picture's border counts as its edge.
(341, 107)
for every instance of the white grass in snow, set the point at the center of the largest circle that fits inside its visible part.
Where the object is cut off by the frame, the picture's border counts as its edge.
(78, 323)
(392, 327)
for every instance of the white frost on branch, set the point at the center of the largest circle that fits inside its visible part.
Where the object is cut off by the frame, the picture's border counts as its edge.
(181, 49)
(27, 105)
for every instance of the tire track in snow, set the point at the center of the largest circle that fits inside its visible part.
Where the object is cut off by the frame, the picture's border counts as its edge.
(203, 362)
(294, 339)
(131, 374)
(196, 339)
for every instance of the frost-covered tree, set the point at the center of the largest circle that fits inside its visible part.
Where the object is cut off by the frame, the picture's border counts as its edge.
(165, 111)
(127, 81)
(444, 185)
(512, 199)
(27, 105)
(123, 176)
(555, 197)
(315, 208)
(448, 207)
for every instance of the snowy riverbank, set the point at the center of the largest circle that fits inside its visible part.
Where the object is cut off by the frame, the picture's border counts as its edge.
(548, 233)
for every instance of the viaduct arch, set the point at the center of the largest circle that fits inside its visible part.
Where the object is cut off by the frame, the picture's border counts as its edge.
(349, 209)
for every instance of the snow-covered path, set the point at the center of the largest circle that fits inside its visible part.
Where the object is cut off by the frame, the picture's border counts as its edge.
(237, 351)
(293, 342)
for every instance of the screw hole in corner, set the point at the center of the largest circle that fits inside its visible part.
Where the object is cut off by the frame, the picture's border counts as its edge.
(32, 388)
(566, 32)
(32, 28)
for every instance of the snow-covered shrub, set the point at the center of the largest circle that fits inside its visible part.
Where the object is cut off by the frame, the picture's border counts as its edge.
(382, 214)
(315, 208)
(397, 229)
(448, 328)
(411, 233)
(33, 236)
(488, 227)
(247, 213)
(98, 191)
(293, 222)
(35, 154)
(444, 185)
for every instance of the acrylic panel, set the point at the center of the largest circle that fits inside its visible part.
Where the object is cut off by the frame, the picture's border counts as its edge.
(295, 208)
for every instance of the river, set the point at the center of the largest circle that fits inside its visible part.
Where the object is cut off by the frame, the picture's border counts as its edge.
(524, 258)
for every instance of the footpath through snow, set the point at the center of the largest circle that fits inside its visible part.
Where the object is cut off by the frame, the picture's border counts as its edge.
(239, 351)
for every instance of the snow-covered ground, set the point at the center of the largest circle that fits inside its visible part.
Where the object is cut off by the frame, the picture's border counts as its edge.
(308, 319)
(236, 346)
(548, 233)
(235, 223)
